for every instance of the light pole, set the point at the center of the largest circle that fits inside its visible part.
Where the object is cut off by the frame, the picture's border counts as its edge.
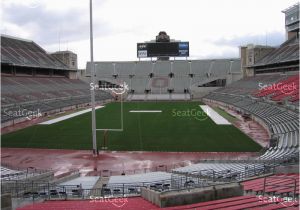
(95, 150)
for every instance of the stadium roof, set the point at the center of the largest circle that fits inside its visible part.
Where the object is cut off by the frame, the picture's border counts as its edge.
(17, 38)
(26, 53)
(295, 6)
(287, 52)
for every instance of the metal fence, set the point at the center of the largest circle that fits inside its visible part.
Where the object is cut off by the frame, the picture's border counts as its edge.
(229, 175)
(179, 181)
(20, 174)
(283, 160)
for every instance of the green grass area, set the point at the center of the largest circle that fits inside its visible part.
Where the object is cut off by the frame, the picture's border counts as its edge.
(181, 126)
(224, 114)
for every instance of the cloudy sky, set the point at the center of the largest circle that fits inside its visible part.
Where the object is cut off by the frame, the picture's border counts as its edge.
(214, 28)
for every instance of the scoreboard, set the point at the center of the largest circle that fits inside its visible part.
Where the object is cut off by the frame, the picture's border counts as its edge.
(162, 49)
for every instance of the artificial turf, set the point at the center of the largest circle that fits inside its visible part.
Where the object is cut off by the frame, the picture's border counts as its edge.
(174, 129)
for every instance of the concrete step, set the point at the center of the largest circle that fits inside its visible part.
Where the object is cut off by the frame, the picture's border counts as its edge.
(96, 190)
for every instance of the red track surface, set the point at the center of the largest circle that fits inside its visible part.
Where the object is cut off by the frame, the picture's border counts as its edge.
(138, 203)
(62, 161)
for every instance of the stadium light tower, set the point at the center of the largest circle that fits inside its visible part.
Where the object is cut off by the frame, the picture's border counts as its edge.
(95, 150)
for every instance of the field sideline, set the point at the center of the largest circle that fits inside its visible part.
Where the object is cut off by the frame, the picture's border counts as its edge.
(181, 126)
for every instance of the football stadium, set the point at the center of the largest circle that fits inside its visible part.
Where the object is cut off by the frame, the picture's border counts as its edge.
(163, 131)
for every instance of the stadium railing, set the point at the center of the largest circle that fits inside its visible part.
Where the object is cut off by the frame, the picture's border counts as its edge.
(46, 190)
(230, 175)
(285, 159)
(23, 174)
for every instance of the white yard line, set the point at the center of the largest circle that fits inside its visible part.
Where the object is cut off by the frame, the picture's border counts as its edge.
(218, 119)
(145, 111)
(49, 122)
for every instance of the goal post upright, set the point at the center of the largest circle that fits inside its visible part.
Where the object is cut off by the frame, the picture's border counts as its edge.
(121, 128)
(95, 150)
(105, 136)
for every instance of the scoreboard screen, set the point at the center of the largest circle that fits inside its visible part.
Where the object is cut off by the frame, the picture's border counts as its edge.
(163, 49)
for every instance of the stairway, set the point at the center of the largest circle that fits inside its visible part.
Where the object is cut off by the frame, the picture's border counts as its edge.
(96, 190)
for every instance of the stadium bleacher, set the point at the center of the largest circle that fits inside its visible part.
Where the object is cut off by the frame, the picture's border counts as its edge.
(275, 184)
(8, 174)
(229, 168)
(34, 80)
(281, 90)
(27, 53)
(164, 77)
(286, 52)
(44, 94)
(280, 120)
(267, 193)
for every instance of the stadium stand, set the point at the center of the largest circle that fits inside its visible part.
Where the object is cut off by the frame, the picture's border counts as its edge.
(281, 90)
(281, 123)
(281, 120)
(286, 55)
(8, 174)
(44, 94)
(33, 80)
(128, 184)
(278, 184)
(86, 182)
(164, 80)
(229, 169)
(239, 202)
(140, 178)
(21, 52)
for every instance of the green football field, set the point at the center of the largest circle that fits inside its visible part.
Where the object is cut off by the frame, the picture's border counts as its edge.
(180, 126)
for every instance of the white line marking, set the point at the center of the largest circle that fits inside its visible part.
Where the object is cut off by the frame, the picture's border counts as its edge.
(145, 111)
(49, 122)
(218, 119)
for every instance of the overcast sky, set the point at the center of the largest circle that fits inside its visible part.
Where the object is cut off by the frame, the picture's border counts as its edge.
(214, 28)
